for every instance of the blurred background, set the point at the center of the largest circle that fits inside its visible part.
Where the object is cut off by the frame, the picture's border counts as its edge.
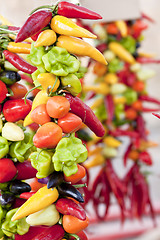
(16, 11)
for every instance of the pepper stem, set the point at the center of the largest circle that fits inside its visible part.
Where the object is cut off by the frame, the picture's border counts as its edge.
(53, 87)
(52, 7)
(75, 236)
(25, 97)
(80, 185)
(4, 31)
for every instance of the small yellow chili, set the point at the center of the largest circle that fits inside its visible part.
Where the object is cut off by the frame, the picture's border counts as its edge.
(19, 47)
(101, 88)
(122, 27)
(43, 198)
(46, 38)
(48, 81)
(95, 160)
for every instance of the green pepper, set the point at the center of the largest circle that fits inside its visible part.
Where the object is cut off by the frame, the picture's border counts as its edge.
(34, 77)
(130, 95)
(4, 147)
(10, 228)
(59, 62)
(119, 111)
(129, 43)
(68, 153)
(101, 113)
(73, 83)
(35, 57)
(42, 161)
(2, 215)
(22, 149)
(10, 77)
(115, 65)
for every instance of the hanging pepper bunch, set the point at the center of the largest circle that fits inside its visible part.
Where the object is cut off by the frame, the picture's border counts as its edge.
(117, 98)
(38, 139)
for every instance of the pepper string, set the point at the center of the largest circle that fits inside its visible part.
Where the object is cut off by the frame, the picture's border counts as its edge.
(40, 156)
(117, 95)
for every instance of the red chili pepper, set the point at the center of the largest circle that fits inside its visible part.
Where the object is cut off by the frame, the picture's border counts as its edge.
(141, 127)
(26, 78)
(131, 79)
(126, 154)
(147, 17)
(33, 231)
(79, 108)
(13, 28)
(8, 170)
(18, 202)
(156, 114)
(26, 195)
(147, 60)
(102, 47)
(109, 104)
(71, 10)
(3, 91)
(69, 207)
(150, 109)
(149, 99)
(19, 62)
(25, 170)
(34, 24)
(55, 232)
(145, 158)
(35, 36)
(16, 109)
(119, 132)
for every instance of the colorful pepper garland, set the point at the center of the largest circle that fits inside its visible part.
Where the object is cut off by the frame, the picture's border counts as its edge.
(117, 97)
(38, 137)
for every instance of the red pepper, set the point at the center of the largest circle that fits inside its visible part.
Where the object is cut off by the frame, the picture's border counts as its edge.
(147, 17)
(26, 195)
(131, 79)
(16, 109)
(119, 132)
(8, 170)
(79, 108)
(109, 104)
(102, 47)
(69, 207)
(141, 127)
(26, 78)
(19, 62)
(126, 154)
(145, 158)
(149, 99)
(33, 232)
(18, 202)
(35, 36)
(71, 10)
(36, 22)
(13, 28)
(144, 109)
(3, 91)
(147, 60)
(81, 235)
(156, 114)
(55, 232)
(25, 170)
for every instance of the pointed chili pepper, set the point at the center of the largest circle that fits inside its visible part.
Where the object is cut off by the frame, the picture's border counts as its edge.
(33, 24)
(141, 127)
(79, 108)
(19, 62)
(26, 195)
(69, 207)
(18, 187)
(126, 154)
(146, 60)
(67, 190)
(120, 132)
(108, 101)
(71, 10)
(145, 158)
(149, 99)
(56, 178)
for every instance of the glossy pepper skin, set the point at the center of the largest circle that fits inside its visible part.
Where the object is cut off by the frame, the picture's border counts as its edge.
(33, 24)
(3, 91)
(9, 77)
(80, 47)
(44, 197)
(79, 108)
(8, 170)
(65, 26)
(16, 109)
(18, 187)
(25, 170)
(71, 10)
(55, 232)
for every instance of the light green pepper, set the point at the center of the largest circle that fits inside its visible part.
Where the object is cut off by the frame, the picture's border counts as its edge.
(59, 62)
(129, 43)
(101, 113)
(73, 83)
(4, 147)
(42, 161)
(119, 111)
(115, 65)
(10, 228)
(130, 95)
(20, 150)
(69, 152)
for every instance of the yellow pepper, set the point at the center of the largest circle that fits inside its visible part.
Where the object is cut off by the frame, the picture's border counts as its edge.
(46, 38)
(122, 26)
(41, 98)
(101, 88)
(19, 47)
(63, 25)
(111, 141)
(118, 99)
(48, 80)
(146, 144)
(111, 78)
(96, 150)
(95, 160)
(43, 198)
(121, 52)
(97, 103)
(79, 47)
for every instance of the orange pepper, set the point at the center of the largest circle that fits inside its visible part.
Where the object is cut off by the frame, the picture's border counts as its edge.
(73, 224)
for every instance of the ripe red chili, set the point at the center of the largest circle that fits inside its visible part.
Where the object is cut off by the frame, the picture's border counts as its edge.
(3, 91)
(25, 170)
(70, 123)
(19, 91)
(8, 170)
(16, 109)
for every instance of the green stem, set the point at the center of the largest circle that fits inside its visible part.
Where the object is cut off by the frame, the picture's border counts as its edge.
(80, 185)
(75, 236)
(53, 7)
(53, 86)
(7, 31)
(25, 97)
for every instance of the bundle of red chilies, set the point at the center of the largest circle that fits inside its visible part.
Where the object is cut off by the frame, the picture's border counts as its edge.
(118, 97)
(40, 155)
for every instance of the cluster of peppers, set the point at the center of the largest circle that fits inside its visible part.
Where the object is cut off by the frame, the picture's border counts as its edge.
(38, 139)
(117, 98)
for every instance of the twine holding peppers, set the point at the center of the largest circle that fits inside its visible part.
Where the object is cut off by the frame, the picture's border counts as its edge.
(44, 145)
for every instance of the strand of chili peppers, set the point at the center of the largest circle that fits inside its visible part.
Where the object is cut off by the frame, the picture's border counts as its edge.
(37, 139)
(117, 98)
